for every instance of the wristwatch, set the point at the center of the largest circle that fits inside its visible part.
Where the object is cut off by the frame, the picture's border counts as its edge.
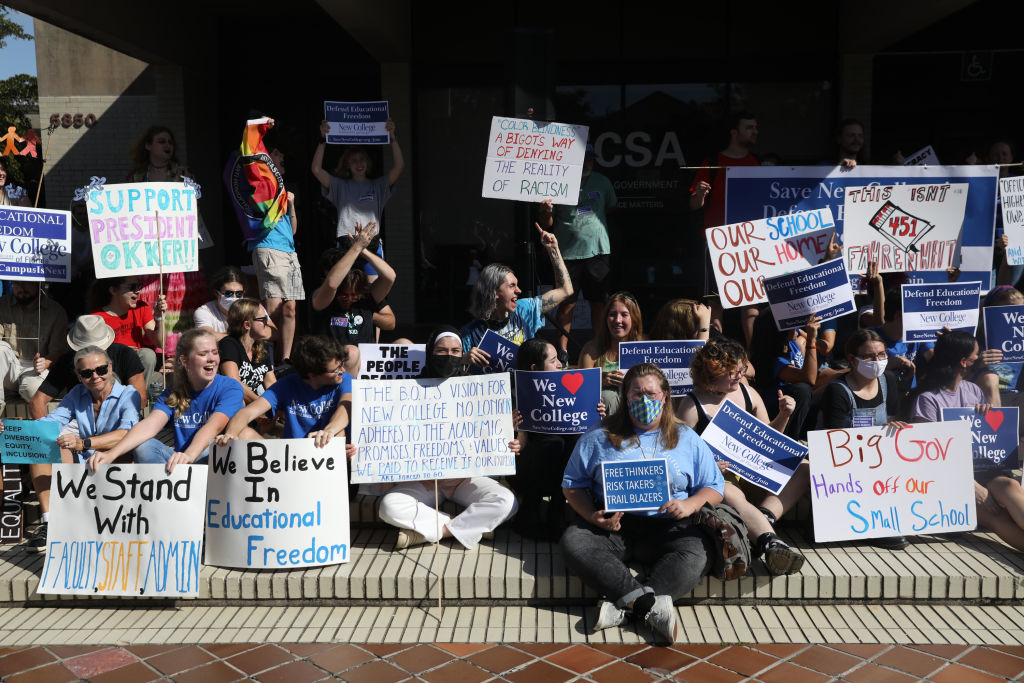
(87, 443)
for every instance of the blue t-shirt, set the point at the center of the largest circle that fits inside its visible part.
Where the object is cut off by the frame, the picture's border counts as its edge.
(691, 466)
(523, 323)
(306, 409)
(222, 395)
(280, 237)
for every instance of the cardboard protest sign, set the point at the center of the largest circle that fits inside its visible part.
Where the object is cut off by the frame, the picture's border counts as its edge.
(1004, 330)
(755, 451)
(123, 229)
(277, 504)
(35, 244)
(11, 518)
(929, 308)
(417, 429)
(875, 482)
(125, 530)
(672, 357)
(994, 435)
(1011, 198)
(534, 160)
(29, 442)
(503, 353)
(357, 123)
(635, 484)
(391, 361)
(558, 402)
(823, 290)
(743, 254)
(922, 157)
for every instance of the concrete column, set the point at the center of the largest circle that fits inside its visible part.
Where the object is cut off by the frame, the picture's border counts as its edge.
(400, 245)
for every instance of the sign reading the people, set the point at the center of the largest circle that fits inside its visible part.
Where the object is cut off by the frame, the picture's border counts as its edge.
(927, 309)
(277, 504)
(559, 401)
(1011, 194)
(875, 482)
(409, 430)
(35, 244)
(29, 442)
(534, 160)
(823, 290)
(391, 361)
(357, 123)
(123, 222)
(125, 530)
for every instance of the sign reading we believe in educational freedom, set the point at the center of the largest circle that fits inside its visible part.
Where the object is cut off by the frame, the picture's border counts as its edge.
(874, 482)
(35, 244)
(123, 228)
(559, 401)
(994, 435)
(391, 361)
(534, 160)
(1011, 195)
(672, 357)
(30, 442)
(823, 290)
(635, 484)
(418, 429)
(125, 530)
(277, 504)
(357, 123)
(930, 307)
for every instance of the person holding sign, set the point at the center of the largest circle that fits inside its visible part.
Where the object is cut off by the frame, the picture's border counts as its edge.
(623, 323)
(597, 544)
(246, 353)
(32, 328)
(198, 405)
(10, 195)
(866, 396)
(135, 324)
(786, 361)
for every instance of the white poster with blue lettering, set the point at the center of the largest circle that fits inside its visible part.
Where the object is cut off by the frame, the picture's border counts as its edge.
(995, 434)
(635, 484)
(823, 290)
(558, 402)
(1011, 200)
(531, 160)
(503, 353)
(928, 308)
(35, 244)
(875, 482)
(357, 123)
(672, 357)
(755, 451)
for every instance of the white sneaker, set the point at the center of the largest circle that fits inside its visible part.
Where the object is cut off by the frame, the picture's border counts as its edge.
(608, 615)
(662, 619)
(408, 537)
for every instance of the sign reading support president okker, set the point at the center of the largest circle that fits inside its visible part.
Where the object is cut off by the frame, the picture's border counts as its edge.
(534, 160)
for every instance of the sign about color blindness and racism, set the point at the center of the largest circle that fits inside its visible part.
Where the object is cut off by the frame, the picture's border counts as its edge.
(29, 442)
(672, 357)
(532, 160)
(635, 484)
(125, 530)
(357, 123)
(1004, 330)
(123, 222)
(558, 402)
(35, 244)
(875, 482)
(1011, 196)
(391, 361)
(823, 290)
(755, 451)
(929, 308)
(994, 435)
(417, 429)
(743, 254)
(277, 504)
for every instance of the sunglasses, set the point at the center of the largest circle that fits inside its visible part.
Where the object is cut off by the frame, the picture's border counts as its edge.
(263, 319)
(233, 294)
(135, 287)
(100, 370)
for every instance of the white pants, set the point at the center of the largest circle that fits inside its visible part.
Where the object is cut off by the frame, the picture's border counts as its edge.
(411, 506)
(17, 375)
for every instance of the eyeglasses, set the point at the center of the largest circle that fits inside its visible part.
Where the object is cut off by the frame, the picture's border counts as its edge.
(340, 370)
(738, 372)
(233, 294)
(100, 370)
(874, 356)
(262, 319)
(135, 287)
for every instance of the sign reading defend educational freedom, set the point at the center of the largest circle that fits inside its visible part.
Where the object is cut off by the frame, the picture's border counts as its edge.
(635, 484)
(419, 429)
(875, 482)
(1011, 195)
(123, 223)
(125, 530)
(823, 290)
(755, 451)
(672, 357)
(29, 442)
(994, 435)
(928, 308)
(35, 244)
(534, 160)
(558, 401)
(1004, 330)
(277, 504)
(391, 361)
(357, 123)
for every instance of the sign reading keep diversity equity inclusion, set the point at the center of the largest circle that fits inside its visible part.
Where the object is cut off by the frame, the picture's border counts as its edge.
(35, 244)
(534, 160)
(929, 308)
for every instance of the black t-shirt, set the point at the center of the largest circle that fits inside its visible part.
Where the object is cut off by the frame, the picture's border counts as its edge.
(62, 376)
(835, 402)
(251, 375)
(354, 326)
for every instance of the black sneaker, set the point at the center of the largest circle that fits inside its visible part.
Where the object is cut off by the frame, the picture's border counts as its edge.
(890, 542)
(36, 541)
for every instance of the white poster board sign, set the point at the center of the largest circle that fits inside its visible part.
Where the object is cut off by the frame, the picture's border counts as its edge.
(391, 361)
(1011, 199)
(532, 160)
(925, 156)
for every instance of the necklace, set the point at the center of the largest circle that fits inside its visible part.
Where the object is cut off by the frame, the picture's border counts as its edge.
(640, 445)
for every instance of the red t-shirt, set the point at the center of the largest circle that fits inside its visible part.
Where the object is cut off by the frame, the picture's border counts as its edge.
(129, 328)
(714, 203)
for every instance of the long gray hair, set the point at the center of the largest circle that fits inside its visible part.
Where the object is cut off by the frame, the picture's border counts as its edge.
(481, 299)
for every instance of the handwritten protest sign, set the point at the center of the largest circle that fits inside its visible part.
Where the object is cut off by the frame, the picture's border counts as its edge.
(503, 353)
(929, 308)
(743, 254)
(755, 451)
(409, 430)
(922, 157)
(35, 244)
(11, 514)
(123, 228)
(29, 442)
(875, 482)
(672, 357)
(994, 435)
(534, 160)
(823, 290)
(558, 402)
(357, 123)
(635, 484)
(125, 530)
(1004, 330)
(391, 361)
(277, 504)
(1011, 198)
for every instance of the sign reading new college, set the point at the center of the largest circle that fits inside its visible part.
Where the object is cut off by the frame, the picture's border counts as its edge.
(534, 160)
(672, 357)
(35, 244)
(823, 290)
(929, 308)
(357, 123)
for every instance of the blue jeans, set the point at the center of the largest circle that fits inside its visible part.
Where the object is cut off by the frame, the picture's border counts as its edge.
(155, 452)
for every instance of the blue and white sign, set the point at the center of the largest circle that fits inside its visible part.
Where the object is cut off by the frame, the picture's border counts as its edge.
(503, 353)
(755, 451)
(928, 308)
(672, 357)
(994, 435)
(35, 244)
(635, 484)
(823, 290)
(1004, 330)
(558, 402)
(30, 442)
(357, 123)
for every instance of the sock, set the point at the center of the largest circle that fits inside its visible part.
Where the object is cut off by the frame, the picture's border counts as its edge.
(643, 605)
(763, 541)
(46, 518)
(769, 515)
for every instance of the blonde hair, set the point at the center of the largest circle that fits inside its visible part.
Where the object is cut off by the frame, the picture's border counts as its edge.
(181, 389)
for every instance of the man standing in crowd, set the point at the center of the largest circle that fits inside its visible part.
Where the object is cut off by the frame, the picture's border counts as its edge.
(850, 138)
(32, 329)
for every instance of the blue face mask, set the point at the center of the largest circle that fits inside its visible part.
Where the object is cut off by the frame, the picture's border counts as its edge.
(645, 410)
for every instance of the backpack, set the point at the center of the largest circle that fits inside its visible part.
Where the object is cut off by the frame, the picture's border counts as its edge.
(729, 534)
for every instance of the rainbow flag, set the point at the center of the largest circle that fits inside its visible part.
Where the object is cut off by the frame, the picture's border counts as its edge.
(268, 197)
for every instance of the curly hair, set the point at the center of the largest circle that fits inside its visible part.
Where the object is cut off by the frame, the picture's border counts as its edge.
(713, 360)
(312, 352)
(241, 312)
(619, 427)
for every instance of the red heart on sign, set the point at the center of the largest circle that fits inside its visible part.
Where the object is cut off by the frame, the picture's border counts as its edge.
(994, 419)
(572, 381)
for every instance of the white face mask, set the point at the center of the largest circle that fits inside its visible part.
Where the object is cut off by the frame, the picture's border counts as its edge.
(871, 369)
(226, 301)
